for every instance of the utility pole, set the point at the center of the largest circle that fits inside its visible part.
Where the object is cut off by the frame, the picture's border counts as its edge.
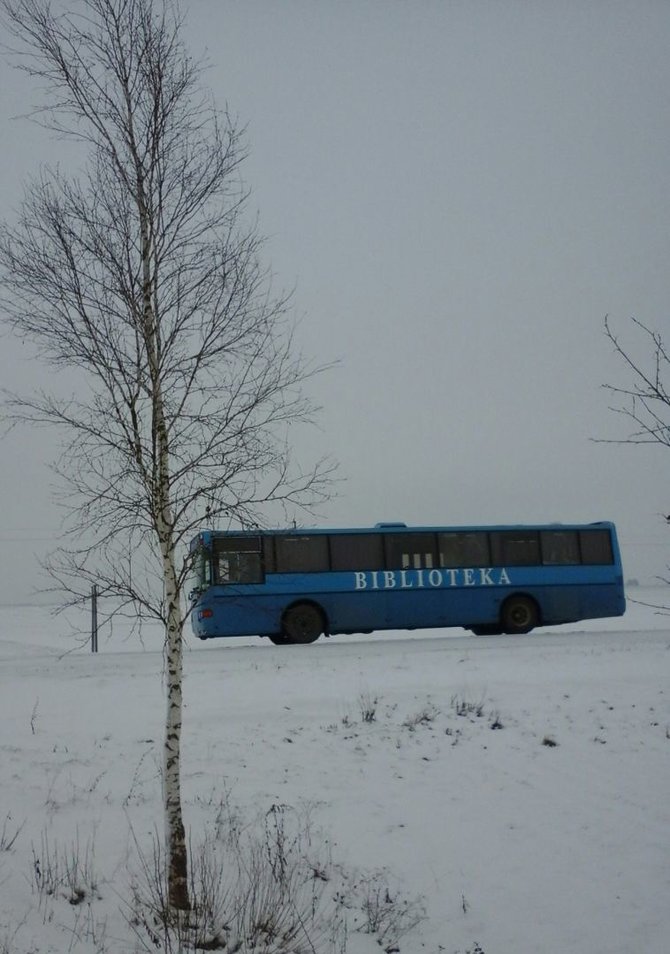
(94, 619)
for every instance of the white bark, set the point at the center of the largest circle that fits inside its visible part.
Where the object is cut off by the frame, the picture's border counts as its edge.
(177, 874)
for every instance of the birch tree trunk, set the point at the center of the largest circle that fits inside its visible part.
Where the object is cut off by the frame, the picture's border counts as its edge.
(175, 833)
(176, 853)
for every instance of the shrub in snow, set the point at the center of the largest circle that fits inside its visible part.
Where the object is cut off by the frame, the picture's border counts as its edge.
(367, 704)
(9, 833)
(424, 716)
(466, 707)
(386, 914)
(268, 887)
(64, 872)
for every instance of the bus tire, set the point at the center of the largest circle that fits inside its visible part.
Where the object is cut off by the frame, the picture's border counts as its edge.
(519, 614)
(277, 638)
(302, 623)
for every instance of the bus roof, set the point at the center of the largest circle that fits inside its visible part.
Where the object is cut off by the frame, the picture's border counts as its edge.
(206, 536)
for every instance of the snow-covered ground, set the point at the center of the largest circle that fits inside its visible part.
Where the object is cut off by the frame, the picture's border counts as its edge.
(515, 787)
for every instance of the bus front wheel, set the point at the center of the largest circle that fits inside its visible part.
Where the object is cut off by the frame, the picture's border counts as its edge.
(519, 614)
(302, 623)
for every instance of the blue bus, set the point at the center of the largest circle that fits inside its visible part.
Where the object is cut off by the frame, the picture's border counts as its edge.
(291, 586)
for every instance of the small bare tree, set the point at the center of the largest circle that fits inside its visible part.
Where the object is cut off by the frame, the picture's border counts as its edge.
(139, 278)
(645, 399)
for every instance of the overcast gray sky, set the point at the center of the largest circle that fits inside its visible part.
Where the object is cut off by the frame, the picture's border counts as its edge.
(459, 192)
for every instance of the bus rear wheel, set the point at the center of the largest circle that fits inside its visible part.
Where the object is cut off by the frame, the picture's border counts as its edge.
(277, 638)
(519, 614)
(302, 623)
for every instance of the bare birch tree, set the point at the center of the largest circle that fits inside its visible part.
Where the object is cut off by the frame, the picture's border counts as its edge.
(138, 276)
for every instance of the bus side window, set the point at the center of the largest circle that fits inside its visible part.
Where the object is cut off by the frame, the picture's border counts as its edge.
(560, 547)
(464, 548)
(302, 553)
(515, 548)
(238, 560)
(239, 568)
(362, 551)
(410, 551)
(269, 554)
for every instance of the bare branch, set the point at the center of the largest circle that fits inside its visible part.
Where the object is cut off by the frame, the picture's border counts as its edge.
(143, 274)
(645, 401)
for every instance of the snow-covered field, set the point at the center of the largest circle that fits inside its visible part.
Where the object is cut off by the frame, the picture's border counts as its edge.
(516, 788)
